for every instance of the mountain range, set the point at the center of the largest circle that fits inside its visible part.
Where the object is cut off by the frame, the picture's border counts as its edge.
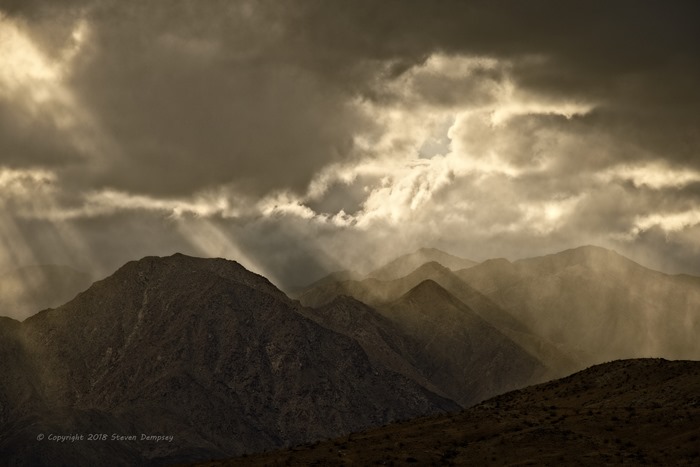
(570, 310)
(227, 364)
(597, 303)
(202, 350)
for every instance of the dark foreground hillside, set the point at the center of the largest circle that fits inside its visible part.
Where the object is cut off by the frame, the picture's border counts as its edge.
(636, 412)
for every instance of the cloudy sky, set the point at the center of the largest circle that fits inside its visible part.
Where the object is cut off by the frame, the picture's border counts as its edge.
(299, 137)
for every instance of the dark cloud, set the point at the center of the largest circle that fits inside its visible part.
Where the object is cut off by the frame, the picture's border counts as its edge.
(257, 98)
(258, 92)
(342, 196)
(208, 94)
(30, 140)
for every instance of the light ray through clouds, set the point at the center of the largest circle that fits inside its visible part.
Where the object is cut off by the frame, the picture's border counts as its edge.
(17, 185)
(213, 241)
(506, 143)
(32, 194)
(37, 85)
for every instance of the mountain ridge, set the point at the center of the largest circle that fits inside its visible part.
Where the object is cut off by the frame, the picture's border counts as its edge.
(227, 361)
(164, 334)
(469, 358)
(376, 293)
(404, 264)
(597, 302)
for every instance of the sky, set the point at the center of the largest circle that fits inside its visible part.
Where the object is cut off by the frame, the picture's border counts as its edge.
(307, 136)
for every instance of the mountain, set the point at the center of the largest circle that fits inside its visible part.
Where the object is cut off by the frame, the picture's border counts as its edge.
(377, 292)
(463, 355)
(198, 349)
(19, 389)
(632, 412)
(433, 338)
(383, 341)
(405, 264)
(27, 290)
(568, 310)
(224, 362)
(596, 303)
(334, 277)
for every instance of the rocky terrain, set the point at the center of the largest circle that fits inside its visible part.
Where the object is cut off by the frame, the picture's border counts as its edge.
(202, 350)
(433, 338)
(227, 364)
(569, 310)
(635, 412)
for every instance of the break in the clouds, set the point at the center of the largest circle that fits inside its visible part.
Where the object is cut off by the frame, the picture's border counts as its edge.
(300, 137)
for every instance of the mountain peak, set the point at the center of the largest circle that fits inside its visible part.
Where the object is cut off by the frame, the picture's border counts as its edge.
(428, 290)
(431, 266)
(591, 256)
(496, 262)
(405, 264)
(589, 250)
(182, 263)
(186, 342)
(426, 250)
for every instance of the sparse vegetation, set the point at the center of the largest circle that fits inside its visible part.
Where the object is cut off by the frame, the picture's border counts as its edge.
(497, 436)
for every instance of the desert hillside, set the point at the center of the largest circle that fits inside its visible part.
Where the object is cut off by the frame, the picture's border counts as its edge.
(636, 412)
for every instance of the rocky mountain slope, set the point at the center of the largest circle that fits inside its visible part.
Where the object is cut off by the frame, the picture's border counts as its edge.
(635, 412)
(383, 341)
(462, 354)
(395, 269)
(219, 358)
(201, 350)
(433, 338)
(569, 309)
(378, 293)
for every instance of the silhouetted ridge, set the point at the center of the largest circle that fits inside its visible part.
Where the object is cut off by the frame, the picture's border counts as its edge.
(464, 355)
(184, 266)
(589, 255)
(403, 265)
(428, 290)
(201, 349)
(219, 357)
(431, 266)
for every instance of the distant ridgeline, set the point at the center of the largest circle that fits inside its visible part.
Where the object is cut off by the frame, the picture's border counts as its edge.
(180, 359)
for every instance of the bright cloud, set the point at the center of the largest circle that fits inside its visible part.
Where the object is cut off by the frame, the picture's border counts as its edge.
(655, 175)
(671, 222)
(258, 129)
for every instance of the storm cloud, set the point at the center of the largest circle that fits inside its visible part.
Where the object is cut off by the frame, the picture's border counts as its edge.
(306, 136)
